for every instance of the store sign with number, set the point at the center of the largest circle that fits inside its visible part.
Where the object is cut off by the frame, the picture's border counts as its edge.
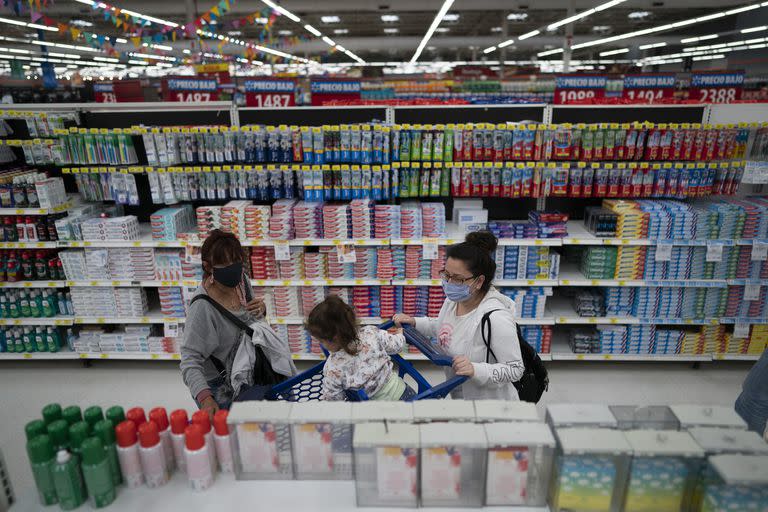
(190, 89)
(324, 91)
(118, 92)
(578, 88)
(270, 93)
(716, 87)
(648, 88)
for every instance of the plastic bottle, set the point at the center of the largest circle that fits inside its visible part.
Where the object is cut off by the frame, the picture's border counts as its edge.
(41, 459)
(29, 340)
(39, 340)
(179, 422)
(152, 456)
(106, 432)
(93, 415)
(51, 413)
(221, 439)
(21, 229)
(70, 488)
(72, 414)
(98, 476)
(201, 418)
(9, 230)
(116, 415)
(35, 311)
(57, 303)
(24, 304)
(197, 459)
(27, 265)
(31, 229)
(52, 340)
(41, 266)
(78, 432)
(48, 309)
(12, 268)
(4, 313)
(136, 415)
(58, 431)
(160, 417)
(13, 305)
(128, 454)
(34, 428)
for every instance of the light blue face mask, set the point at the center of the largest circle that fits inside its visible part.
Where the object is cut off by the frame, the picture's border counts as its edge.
(456, 292)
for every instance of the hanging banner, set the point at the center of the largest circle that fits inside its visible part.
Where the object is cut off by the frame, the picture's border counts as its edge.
(648, 88)
(190, 89)
(123, 91)
(716, 87)
(49, 75)
(218, 71)
(270, 93)
(324, 91)
(104, 93)
(578, 88)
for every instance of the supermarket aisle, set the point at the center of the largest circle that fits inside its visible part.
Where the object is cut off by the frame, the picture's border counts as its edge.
(26, 387)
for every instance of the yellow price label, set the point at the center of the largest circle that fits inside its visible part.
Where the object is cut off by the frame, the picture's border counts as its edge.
(579, 357)
(27, 356)
(104, 356)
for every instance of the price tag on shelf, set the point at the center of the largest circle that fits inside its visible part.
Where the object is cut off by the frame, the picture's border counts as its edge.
(751, 292)
(663, 251)
(346, 253)
(759, 251)
(741, 330)
(714, 251)
(282, 250)
(429, 249)
(171, 329)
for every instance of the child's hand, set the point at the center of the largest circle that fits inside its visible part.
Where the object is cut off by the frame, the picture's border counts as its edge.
(402, 318)
(463, 366)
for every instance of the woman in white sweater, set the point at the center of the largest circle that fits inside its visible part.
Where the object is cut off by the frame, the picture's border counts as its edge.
(467, 282)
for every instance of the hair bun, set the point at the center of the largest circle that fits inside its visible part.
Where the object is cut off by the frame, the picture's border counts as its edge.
(482, 239)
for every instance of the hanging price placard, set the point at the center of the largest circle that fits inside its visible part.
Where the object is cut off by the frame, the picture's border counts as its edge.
(429, 249)
(714, 251)
(171, 330)
(282, 250)
(663, 251)
(346, 253)
(759, 251)
(751, 292)
(741, 330)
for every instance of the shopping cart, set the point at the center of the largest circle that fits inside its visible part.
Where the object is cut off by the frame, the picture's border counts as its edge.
(308, 385)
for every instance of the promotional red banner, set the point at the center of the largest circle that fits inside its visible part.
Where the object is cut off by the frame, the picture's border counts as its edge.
(324, 91)
(270, 93)
(118, 92)
(716, 87)
(648, 88)
(578, 88)
(189, 89)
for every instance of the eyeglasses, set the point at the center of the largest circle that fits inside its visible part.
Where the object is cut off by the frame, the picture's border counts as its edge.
(450, 278)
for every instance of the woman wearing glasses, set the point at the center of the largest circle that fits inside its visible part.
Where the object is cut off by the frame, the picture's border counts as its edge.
(467, 281)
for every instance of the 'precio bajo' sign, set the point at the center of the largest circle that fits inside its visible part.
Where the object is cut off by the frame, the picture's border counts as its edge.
(270, 93)
(190, 89)
(648, 88)
(334, 90)
(714, 87)
(578, 88)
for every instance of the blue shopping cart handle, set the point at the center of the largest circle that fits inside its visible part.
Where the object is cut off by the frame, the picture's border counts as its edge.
(418, 340)
(441, 390)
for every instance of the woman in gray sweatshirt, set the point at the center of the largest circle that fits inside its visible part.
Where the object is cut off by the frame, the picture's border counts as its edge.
(207, 333)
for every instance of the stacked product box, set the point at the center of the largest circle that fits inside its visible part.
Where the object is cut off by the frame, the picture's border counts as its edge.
(168, 223)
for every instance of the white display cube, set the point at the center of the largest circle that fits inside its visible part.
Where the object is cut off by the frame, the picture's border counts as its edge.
(491, 411)
(428, 411)
(707, 416)
(261, 440)
(580, 415)
(321, 435)
(740, 483)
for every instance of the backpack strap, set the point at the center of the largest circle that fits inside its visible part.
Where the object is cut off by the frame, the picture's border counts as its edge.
(486, 322)
(229, 316)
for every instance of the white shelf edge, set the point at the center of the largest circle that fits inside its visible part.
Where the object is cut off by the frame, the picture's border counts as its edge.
(47, 321)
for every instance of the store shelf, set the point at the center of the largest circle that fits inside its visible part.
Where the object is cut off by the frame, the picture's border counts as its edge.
(563, 312)
(654, 358)
(38, 356)
(54, 320)
(743, 320)
(735, 357)
(154, 318)
(29, 245)
(571, 276)
(35, 211)
(33, 284)
(525, 282)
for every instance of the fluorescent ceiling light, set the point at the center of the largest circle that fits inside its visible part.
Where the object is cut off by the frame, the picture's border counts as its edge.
(121, 40)
(329, 41)
(710, 57)
(234, 33)
(517, 16)
(451, 16)
(614, 52)
(313, 30)
(285, 12)
(340, 48)
(530, 34)
(185, 51)
(390, 18)
(81, 23)
(431, 30)
(489, 49)
(129, 12)
(649, 46)
(496, 29)
(341, 31)
(442, 30)
(550, 52)
(668, 26)
(698, 38)
(754, 29)
(506, 43)
(330, 19)
(584, 14)
(638, 15)
(284, 32)
(391, 30)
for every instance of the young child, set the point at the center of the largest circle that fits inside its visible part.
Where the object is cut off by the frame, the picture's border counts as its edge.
(359, 357)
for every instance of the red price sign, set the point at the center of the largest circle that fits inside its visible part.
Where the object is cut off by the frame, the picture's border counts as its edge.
(190, 89)
(578, 88)
(104, 93)
(648, 88)
(334, 90)
(270, 93)
(715, 87)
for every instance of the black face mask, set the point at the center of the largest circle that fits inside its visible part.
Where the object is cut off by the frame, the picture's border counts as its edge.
(229, 276)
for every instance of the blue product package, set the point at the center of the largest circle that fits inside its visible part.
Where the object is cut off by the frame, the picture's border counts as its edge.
(306, 145)
(355, 145)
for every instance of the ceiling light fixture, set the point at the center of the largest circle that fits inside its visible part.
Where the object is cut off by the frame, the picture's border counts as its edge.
(649, 46)
(284, 32)
(341, 31)
(330, 19)
(638, 15)
(517, 16)
(506, 43)
(285, 12)
(442, 30)
(584, 14)
(390, 18)
(698, 38)
(129, 12)
(391, 30)
(669, 26)
(754, 29)
(313, 30)
(431, 30)
(554, 51)
(528, 35)
(451, 16)
(614, 52)
(489, 49)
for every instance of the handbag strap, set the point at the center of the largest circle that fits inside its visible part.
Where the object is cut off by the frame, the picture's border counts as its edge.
(225, 312)
(486, 321)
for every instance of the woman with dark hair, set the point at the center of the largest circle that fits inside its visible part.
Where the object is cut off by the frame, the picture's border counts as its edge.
(208, 334)
(467, 281)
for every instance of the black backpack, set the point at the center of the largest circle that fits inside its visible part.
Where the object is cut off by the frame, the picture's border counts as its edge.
(535, 379)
